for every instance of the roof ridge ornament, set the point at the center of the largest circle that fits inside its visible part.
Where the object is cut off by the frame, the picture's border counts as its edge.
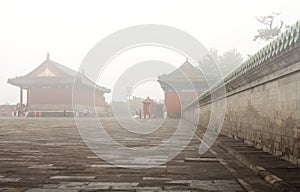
(48, 55)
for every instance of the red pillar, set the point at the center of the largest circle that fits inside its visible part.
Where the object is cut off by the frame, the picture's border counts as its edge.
(28, 95)
(21, 96)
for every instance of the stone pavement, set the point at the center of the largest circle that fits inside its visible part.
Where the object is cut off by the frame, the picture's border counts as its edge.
(48, 155)
(279, 173)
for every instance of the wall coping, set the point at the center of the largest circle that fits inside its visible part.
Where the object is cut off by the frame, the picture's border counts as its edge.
(279, 54)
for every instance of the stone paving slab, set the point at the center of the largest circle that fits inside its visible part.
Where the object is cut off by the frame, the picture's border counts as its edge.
(285, 171)
(48, 155)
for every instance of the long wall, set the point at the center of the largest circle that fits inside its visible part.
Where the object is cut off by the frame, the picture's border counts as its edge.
(263, 106)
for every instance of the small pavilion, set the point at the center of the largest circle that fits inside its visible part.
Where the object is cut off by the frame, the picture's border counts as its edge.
(147, 107)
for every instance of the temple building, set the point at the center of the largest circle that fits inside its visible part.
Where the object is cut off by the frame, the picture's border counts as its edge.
(49, 90)
(181, 87)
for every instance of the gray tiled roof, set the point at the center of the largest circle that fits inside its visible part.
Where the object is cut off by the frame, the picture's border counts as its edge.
(70, 77)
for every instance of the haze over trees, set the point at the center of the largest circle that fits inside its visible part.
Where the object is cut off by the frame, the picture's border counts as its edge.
(228, 61)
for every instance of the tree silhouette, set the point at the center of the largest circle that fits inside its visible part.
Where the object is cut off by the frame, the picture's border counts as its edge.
(230, 60)
(269, 31)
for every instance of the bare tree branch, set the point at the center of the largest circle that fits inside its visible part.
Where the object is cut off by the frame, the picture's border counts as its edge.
(269, 31)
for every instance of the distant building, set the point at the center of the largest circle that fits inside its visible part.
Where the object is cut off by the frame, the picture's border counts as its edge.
(181, 87)
(151, 109)
(147, 108)
(49, 90)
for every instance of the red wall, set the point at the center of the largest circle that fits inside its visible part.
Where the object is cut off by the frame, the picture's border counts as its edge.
(55, 95)
(50, 96)
(173, 101)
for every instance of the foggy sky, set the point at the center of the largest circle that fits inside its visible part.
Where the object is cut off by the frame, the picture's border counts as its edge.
(69, 29)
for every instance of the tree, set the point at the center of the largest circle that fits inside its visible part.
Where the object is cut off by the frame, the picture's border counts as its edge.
(208, 65)
(214, 53)
(132, 105)
(226, 62)
(135, 104)
(229, 61)
(269, 31)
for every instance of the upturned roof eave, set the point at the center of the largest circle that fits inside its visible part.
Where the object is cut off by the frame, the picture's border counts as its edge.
(70, 74)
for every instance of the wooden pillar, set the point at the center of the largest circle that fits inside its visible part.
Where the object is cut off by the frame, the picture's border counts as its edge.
(28, 95)
(21, 96)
